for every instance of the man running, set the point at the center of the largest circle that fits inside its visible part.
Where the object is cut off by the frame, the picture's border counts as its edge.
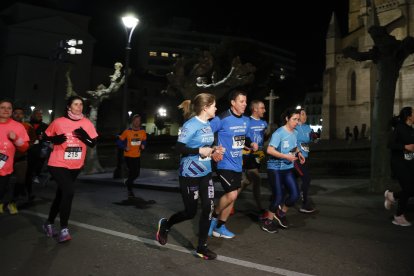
(232, 131)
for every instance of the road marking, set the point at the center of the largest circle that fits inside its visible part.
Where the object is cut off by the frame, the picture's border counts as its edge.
(222, 258)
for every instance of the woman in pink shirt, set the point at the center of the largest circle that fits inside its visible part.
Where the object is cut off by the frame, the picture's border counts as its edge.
(13, 137)
(70, 136)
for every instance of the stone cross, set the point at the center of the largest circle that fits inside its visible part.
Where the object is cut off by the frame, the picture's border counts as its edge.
(271, 98)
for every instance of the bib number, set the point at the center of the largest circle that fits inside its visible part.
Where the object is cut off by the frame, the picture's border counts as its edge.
(3, 159)
(409, 156)
(304, 147)
(135, 142)
(73, 153)
(238, 142)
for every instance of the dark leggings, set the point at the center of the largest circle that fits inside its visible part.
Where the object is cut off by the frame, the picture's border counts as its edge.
(191, 189)
(134, 169)
(4, 188)
(403, 170)
(62, 204)
(303, 172)
(280, 181)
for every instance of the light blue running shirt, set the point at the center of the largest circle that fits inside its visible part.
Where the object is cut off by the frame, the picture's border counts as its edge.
(195, 134)
(284, 142)
(304, 138)
(231, 132)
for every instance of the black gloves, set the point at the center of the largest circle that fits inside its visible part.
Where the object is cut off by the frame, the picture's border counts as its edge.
(57, 139)
(81, 134)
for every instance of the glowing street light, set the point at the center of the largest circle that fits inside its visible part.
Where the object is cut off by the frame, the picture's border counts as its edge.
(129, 113)
(32, 107)
(162, 112)
(298, 107)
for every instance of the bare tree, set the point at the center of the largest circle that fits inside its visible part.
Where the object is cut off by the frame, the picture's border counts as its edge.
(388, 54)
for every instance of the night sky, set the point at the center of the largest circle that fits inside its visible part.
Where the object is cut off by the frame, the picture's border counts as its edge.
(298, 26)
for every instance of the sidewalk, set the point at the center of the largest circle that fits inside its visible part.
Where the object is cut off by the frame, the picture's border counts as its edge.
(346, 189)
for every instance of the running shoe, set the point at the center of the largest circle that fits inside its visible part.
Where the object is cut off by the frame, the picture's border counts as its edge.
(36, 180)
(12, 208)
(64, 235)
(280, 217)
(269, 226)
(223, 232)
(162, 233)
(306, 209)
(205, 253)
(213, 225)
(49, 230)
(401, 221)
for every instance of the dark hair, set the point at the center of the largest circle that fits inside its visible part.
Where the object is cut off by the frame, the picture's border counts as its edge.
(6, 100)
(289, 112)
(254, 103)
(235, 93)
(71, 99)
(18, 108)
(405, 112)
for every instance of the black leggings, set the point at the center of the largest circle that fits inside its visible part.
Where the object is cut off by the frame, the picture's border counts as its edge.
(191, 189)
(62, 204)
(134, 169)
(403, 170)
(4, 188)
(303, 172)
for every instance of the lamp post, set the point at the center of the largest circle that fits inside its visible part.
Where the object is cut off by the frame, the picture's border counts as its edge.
(130, 22)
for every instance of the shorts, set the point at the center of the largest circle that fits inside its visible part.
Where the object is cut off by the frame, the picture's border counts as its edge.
(230, 180)
(250, 162)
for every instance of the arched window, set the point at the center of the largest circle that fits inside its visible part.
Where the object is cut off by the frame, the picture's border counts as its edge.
(353, 86)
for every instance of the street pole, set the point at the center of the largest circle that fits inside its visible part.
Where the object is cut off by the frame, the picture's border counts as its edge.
(130, 23)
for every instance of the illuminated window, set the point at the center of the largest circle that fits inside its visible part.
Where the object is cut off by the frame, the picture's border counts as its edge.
(164, 54)
(152, 54)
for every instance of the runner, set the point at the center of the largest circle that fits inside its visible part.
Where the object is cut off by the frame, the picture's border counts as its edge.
(13, 136)
(232, 133)
(283, 152)
(252, 160)
(195, 146)
(70, 135)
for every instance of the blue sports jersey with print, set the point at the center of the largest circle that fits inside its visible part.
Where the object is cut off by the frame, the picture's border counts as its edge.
(284, 142)
(304, 138)
(257, 130)
(231, 133)
(195, 134)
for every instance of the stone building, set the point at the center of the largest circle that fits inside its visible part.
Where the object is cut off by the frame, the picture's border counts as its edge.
(349, 86)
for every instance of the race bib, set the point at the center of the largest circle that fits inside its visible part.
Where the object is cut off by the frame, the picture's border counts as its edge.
(238, 142)
(304, 147)
(409, 156)
(3, 159)
(135, 142)
(73, 153)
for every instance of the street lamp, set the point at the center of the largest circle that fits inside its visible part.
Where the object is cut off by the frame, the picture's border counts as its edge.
(130, 22)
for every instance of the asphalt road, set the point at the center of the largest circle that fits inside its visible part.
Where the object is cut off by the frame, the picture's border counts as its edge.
(351, 234)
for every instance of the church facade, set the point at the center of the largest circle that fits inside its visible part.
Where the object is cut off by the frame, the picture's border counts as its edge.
(349, 86)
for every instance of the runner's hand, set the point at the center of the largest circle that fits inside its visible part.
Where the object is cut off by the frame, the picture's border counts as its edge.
(58, 139)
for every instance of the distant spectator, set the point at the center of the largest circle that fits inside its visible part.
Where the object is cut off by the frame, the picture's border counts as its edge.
(347, 133)
(356, 133)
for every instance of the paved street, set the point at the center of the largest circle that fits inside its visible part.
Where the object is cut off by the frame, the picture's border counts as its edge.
(351, 234)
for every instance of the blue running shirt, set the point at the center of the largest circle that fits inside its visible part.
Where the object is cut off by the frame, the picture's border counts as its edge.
(195, 134)
(257, 130)
(284, 142)
(304, 138)
(231, 132)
